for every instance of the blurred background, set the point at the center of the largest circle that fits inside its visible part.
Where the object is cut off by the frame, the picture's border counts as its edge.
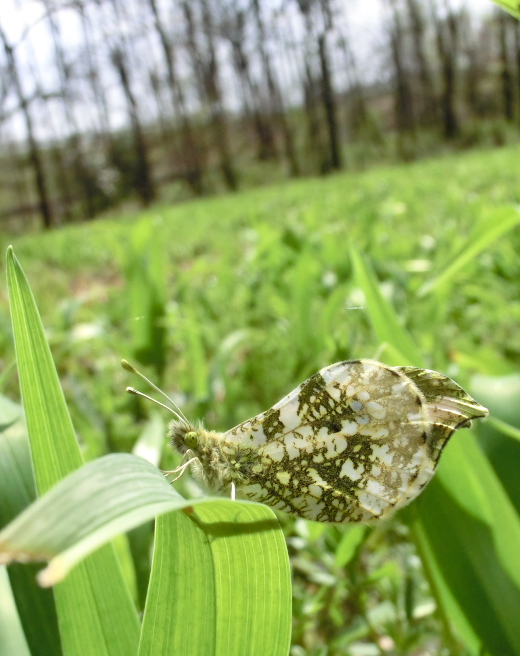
(279, 185)
(111, 101)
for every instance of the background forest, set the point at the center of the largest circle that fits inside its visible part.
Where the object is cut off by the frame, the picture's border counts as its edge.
(103, 101)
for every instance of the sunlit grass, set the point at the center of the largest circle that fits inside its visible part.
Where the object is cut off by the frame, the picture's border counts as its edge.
(246, 295)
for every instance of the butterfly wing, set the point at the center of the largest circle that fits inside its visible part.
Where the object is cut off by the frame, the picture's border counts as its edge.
(352, 443)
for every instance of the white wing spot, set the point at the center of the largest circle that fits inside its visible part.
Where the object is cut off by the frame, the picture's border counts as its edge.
(315, 490)
(348, 470)
(284, 477)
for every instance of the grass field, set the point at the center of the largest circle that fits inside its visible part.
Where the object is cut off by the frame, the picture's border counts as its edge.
(229, 303)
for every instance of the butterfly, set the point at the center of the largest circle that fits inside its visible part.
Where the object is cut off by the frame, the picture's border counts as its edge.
(353, 443)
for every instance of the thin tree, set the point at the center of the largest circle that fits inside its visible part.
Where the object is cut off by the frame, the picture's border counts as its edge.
(447, 37)
(506, 74)
(190, 148)
(329, 103)
(471, 49)
(314, 87)
(83, 176)
(277, 104)
(143, 178)
(428, 100)
(357, 114)
(206, 66)
(517, 58)
(403, 103)
(233, 28)
(35, 158)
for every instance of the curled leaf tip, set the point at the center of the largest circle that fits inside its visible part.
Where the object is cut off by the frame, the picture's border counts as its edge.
(52, 574)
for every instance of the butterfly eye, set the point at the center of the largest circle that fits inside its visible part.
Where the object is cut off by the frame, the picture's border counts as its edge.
(191, 439)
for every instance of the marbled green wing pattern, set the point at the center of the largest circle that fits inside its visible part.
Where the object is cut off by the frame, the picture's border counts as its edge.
(354, 442)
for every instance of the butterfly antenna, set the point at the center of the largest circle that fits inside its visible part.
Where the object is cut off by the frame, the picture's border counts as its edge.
(175, 410)
(132, 390)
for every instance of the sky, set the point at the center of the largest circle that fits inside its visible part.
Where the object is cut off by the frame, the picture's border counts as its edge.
(22, 21)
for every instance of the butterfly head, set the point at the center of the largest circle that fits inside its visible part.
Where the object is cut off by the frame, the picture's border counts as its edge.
(183, 436)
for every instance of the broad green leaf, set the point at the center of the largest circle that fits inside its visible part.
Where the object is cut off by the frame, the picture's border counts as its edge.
(225, 563)
(501, 394)
(36, 607)
(474, 532)
(95, 611)
(103, 498)
(382, 316)
(494, 223)
(236, 598)
(456, 626)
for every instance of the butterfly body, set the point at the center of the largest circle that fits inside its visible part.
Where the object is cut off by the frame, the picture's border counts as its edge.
(354, 442)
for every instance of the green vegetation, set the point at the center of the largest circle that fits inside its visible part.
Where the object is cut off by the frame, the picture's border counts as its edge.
(228, 304)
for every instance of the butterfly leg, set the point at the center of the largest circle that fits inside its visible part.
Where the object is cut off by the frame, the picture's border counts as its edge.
(182, 469)
(183, 466)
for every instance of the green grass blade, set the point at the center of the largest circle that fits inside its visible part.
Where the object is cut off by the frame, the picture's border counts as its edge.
(495, 223)
(95, 611)
(505, 428)
(350, 542)
(237, 597)
(382, 316)
(36, 606)
(145, 270)
(12, 639)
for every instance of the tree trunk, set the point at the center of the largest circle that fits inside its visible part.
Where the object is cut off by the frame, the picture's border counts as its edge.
(506, 74)
(447, 45)
(84, 178)
(428, 101)
(44, 205)
(329, 103)
(206, 69)
(403, 105)
(191, 155)
(277, 104)
(143, 179)
(517, 57)
(233, 28)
